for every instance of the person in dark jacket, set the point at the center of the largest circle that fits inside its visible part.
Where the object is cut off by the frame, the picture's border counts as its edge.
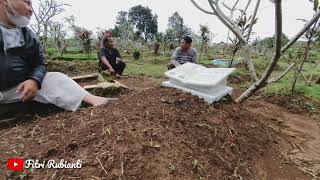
(23, 67)
(110, 58)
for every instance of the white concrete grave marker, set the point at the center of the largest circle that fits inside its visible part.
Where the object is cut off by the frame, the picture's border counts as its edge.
(207, 83)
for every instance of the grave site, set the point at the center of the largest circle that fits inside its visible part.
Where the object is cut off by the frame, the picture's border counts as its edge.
(154, 132)
(245, 109)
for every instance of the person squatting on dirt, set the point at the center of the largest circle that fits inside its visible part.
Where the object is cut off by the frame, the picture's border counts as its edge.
(183, 54)
(108, 56)
(23, 67)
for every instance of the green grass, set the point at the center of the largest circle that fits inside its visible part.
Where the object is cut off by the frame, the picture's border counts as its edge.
(155, 66)
(284, 86)
(149, 65)
(78, 56)
(310, 91)
(154, 70)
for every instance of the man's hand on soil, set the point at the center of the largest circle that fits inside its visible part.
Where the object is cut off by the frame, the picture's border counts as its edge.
(118, 76)
(29, 89)
(112, 71)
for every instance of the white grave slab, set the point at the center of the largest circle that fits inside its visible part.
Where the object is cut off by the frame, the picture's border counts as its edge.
(207, 83)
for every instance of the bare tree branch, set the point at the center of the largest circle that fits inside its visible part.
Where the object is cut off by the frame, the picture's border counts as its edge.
(231, 9)
(305, 78)
(201, 9)
(225, 22)
(315, 68)
(301, 32)
(273, 80)
(278, 32)
(246, 8)
(46, 11)
(231, 21)
(222, 17)
(253, 19)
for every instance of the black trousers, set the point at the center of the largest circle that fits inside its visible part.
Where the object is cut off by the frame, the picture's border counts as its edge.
(118, 67)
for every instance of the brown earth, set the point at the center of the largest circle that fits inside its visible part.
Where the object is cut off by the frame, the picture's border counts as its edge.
(160, 133)
(297, 104)
(73, 68)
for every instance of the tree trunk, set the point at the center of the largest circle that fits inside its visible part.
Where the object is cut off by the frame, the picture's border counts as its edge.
(297, 72)
(235, 50)
(246, 55)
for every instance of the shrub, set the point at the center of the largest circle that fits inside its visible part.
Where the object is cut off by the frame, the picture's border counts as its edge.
(136, 54)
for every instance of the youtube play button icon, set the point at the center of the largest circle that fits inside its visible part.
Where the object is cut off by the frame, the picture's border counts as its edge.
(15, 164)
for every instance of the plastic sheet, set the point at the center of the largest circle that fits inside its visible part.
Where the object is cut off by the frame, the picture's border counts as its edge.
(207, 83)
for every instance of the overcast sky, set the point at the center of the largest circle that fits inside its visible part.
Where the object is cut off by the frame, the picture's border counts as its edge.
(102, 13)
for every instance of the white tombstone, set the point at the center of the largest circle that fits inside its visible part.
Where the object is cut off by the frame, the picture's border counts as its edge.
(207, 83)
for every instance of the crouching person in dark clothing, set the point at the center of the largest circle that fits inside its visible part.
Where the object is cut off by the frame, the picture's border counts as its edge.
(110, 58)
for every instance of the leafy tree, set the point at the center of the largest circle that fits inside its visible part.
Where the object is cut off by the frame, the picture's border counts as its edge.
(115, 32)
(124, 29)
(176, 28)
(267, 44)
(144, 21)
(84, 36)
(164, 41)
(206, 36)
(122, 17)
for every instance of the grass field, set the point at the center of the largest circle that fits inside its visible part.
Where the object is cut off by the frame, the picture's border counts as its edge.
(155, 66)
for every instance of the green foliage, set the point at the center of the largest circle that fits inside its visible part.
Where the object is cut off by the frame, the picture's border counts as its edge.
(283, 87)
(316, 5)
(106, 77)
(124, 28)
(149, 69)
(84, 36)
(144, 21)
(244, 23)
(136, 54)
(176, 28)
(267, 43)
(155, 66)
(71, 57)
(50, 52)
(204, 33)
(115, 32)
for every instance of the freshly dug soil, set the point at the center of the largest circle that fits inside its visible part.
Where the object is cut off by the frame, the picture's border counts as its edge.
(296, 103)
(73, 68)
(152, 133)
(160, 133)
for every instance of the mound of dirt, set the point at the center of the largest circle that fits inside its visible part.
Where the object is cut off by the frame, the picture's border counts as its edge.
(239, 79)
(296, 104)
(73, 68)
(299, 135)
(151, 133)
